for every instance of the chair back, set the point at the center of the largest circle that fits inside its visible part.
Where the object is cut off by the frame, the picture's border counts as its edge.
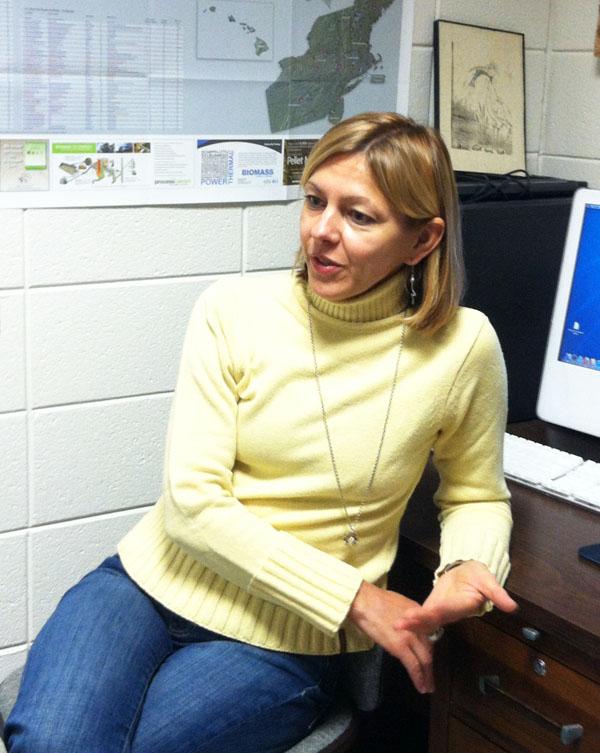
(362, 678)
(9, 687)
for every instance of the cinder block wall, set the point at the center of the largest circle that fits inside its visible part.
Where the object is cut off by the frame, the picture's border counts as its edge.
(570, 142)
(93, 308)
(94, 302)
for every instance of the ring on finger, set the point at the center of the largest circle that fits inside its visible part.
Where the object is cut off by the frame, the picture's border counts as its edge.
(436, 635)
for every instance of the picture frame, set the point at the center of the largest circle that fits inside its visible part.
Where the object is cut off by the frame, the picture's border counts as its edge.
(479, 96)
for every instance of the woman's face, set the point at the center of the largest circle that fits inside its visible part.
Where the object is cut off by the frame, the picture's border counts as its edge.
(351, 237)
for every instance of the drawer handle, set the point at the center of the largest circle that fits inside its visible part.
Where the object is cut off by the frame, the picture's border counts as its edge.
(569, 733)
(530, 634)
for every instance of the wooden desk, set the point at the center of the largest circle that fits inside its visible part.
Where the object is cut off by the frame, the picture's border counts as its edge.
(510, 684)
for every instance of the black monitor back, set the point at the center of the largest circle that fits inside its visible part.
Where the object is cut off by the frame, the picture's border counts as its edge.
(513, 251)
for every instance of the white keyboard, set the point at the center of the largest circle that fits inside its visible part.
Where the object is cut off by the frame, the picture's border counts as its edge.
(552, 471)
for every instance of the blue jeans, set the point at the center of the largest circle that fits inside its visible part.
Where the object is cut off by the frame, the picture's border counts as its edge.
(113, 671)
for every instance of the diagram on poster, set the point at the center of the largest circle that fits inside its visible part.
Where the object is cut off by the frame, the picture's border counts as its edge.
(241, 162)
(91, 165)
(23, 165)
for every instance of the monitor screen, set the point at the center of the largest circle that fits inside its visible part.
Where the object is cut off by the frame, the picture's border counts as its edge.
(570, 388)
(580, 343)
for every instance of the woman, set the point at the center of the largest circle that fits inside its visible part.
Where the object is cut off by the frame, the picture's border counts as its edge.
(305, 411)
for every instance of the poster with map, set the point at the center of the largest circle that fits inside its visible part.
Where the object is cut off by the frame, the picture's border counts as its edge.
(112, 102)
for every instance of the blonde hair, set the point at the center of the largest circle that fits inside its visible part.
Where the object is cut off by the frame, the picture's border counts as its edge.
(411, 167)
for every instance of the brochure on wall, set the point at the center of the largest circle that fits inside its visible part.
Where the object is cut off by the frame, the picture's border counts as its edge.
(79, 171)
(160, 101)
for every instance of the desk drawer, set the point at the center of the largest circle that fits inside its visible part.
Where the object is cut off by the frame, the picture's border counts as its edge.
(520, 698)
(462, 739)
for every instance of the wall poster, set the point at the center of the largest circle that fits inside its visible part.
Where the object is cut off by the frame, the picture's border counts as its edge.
(185, 101)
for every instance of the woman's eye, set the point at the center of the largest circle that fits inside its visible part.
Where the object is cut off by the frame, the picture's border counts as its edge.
(313, 201)
(360, 217)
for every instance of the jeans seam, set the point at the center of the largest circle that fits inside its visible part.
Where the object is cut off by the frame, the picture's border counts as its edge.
(121, 573)
(138, 712)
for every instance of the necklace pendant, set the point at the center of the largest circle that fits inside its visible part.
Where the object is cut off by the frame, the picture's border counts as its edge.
(351, 538)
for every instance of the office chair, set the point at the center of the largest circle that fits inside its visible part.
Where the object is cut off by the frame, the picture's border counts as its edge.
(360, 690)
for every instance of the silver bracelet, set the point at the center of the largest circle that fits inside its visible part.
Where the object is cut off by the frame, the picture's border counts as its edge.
(449, 566)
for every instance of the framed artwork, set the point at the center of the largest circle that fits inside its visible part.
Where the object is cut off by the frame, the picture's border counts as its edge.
(480, 96)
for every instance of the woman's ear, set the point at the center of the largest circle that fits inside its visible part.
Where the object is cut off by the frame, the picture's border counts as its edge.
(428, 239)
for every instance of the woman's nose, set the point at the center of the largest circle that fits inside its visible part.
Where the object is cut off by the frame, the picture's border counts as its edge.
(327, 225)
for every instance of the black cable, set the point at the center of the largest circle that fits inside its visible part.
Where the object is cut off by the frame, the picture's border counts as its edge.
(513, 185)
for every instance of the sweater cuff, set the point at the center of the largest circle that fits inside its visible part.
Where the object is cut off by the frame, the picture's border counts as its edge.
(469, 533)
(315, 585)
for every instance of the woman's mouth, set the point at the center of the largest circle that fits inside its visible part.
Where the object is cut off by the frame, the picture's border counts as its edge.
(323, 265)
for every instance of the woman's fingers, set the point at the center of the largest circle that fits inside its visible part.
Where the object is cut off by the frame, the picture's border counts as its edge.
(416, 655)
(500, 598)
(376, 611)
(423, 651)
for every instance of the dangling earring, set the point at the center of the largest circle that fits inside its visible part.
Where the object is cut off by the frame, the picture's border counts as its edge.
(411, 287)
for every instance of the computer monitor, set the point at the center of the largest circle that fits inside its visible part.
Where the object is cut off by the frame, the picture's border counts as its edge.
(570, 387)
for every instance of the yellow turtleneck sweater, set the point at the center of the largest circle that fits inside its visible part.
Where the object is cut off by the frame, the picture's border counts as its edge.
(247, 538)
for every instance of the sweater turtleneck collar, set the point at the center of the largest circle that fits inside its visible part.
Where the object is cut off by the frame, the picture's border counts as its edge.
(386, 299)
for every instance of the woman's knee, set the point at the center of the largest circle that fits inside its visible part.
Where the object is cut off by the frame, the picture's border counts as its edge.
(89, 668)
(234, 698)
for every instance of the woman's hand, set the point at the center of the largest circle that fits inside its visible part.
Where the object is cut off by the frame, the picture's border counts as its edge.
(376, 612)
(461, 592)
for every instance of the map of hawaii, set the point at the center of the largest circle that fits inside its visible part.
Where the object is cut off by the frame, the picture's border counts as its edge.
(228, 13)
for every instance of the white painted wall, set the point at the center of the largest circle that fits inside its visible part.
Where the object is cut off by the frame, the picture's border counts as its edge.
(94, 302)
(571, 132)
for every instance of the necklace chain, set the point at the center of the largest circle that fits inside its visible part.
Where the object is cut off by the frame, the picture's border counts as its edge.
(351, 537)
